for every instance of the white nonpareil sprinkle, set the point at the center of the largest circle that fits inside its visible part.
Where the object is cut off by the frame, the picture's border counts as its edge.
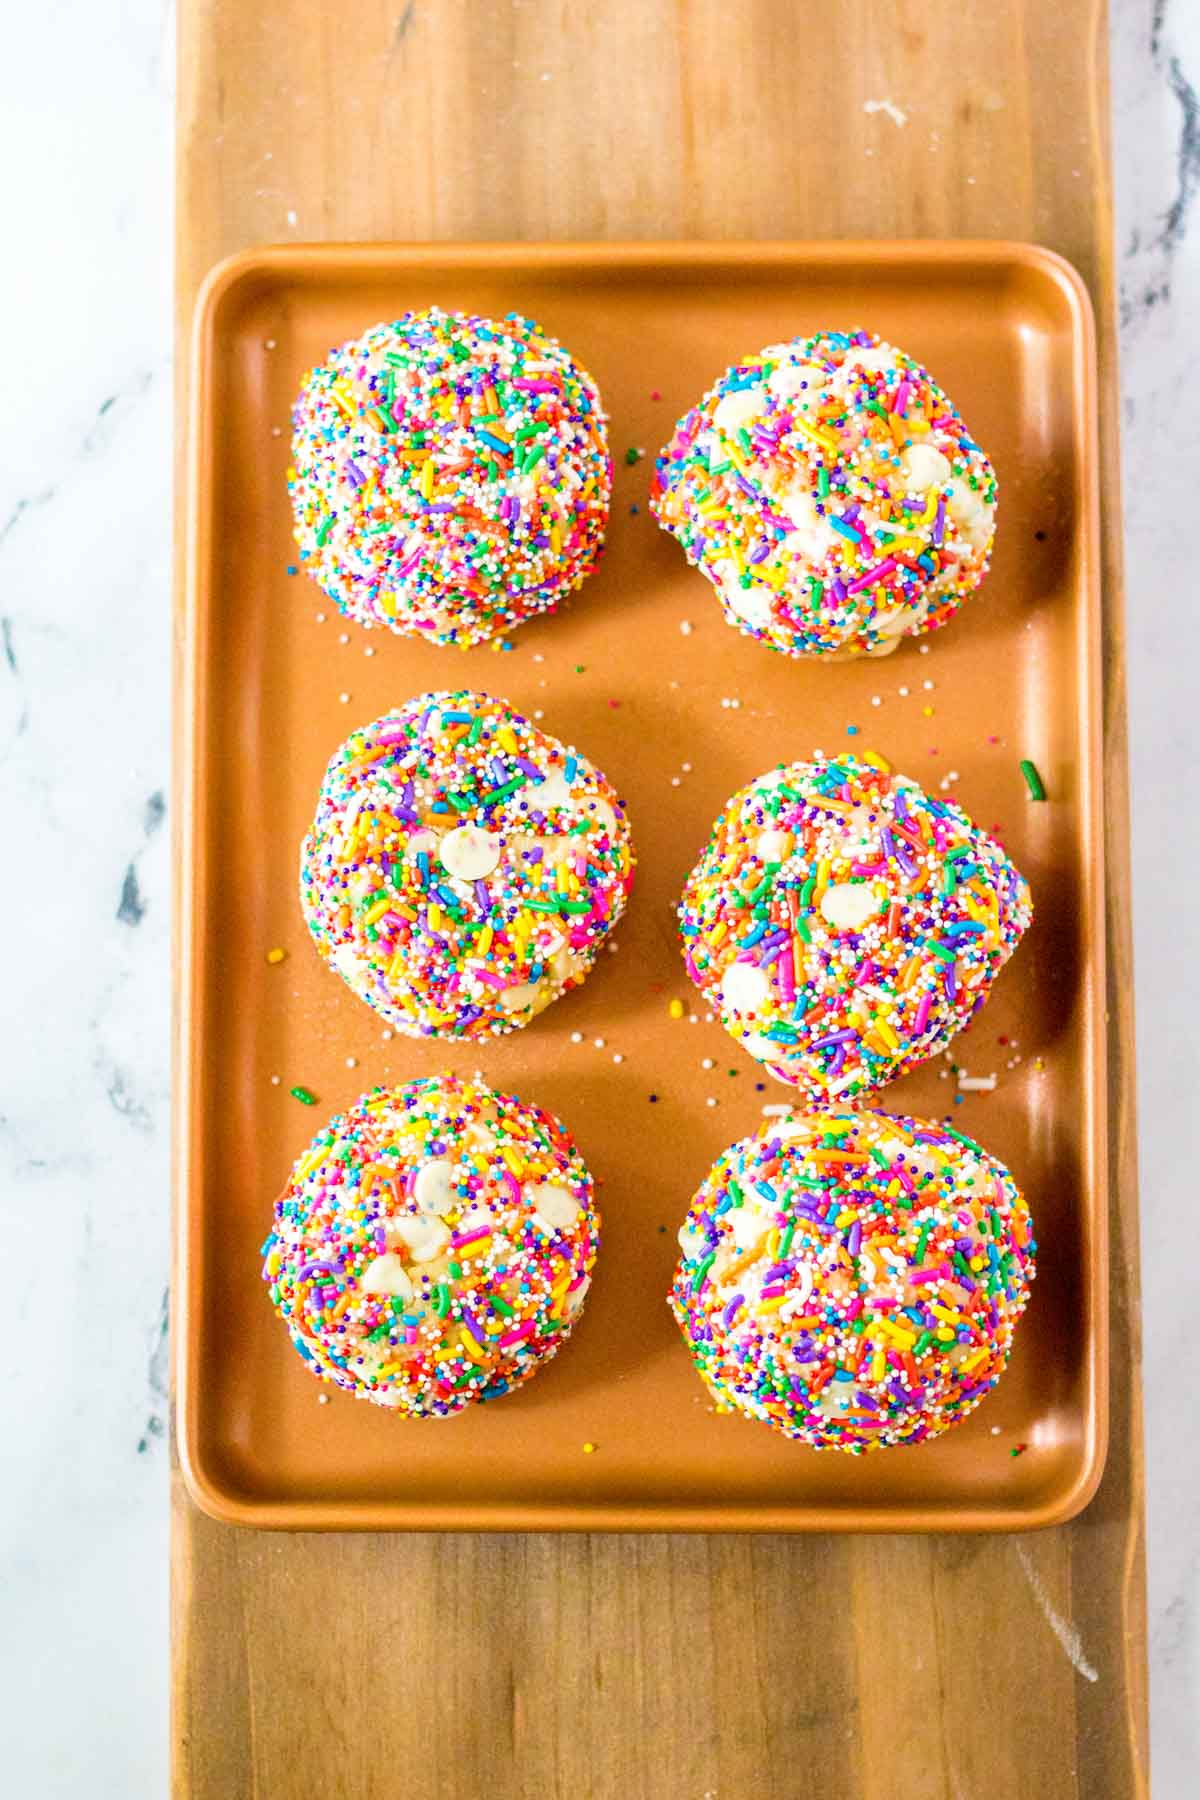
(685, 627)
(976, 1084)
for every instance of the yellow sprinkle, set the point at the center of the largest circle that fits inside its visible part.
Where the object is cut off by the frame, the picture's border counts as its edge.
(928, 711)
(825, 438)
(377, 911)
(427, 473)
(897, 1333)
(435, 918)
(943, 1312)
(483, 942)
(876, 761)
(506, 740)
(973, 1361)
(719, 930)
(589, 1449)
(396, 967)
(276, 956)
(476, 1248)
(887, 1034)
(556, 538)
(675, 1007)
(513, 1160)
(473, 1350)
(878, 1363)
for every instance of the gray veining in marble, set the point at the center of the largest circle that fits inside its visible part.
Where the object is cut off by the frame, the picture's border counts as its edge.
(84, 670)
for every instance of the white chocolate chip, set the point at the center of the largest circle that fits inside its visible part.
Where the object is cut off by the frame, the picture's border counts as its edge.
(738, 408)
(847, 905)
(970, 512)
(864, 357)
(748, 1223)
(469, 852)
(386, 1275)
(753, 603)
(744, 986)
(924, 467)
(774, 845)
(433, 1189)
(516, 999)
(550, 792)
(798, 380)
(422, 1235)
(553, 1207)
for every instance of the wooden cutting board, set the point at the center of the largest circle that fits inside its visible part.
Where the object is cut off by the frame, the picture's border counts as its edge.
(445, 1668)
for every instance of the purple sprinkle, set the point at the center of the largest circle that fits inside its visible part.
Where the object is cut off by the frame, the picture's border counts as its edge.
(846, 1036)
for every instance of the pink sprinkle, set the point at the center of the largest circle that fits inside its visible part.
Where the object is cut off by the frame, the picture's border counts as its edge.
(919, 1277)
(922, 1014)
(508, 1182)
(900, 397)
(471, 1237)
(871, 575)
(488, 976)
(854, 1307)
(516, 1334)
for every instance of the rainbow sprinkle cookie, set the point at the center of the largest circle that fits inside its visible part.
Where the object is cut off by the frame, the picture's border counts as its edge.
(463, 867)
(433, 1246)
(844, 924)
(854, 1279)
(831, 494)
(450, 476)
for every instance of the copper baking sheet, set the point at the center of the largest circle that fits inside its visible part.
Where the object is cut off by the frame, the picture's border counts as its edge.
(269, 691)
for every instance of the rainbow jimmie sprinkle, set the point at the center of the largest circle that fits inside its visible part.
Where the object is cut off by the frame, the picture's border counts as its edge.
(450, 475)
(463, 867)
(433, 1246)
(854, 1279)
(832, 496)
(844, 924)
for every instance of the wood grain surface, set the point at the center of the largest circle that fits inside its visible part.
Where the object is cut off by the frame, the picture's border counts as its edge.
(445, 1668)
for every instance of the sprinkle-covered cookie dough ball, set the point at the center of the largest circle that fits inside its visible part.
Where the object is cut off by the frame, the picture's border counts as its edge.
(854, 1279)
(450, 475)
(831, 494)
(845, 925)
(433, 1245)
(463, 867)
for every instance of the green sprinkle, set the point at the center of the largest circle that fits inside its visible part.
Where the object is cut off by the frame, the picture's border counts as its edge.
(922, 1344)
(1033, 780)
(702, 1269)
(326, 527)
(633, 455)
(303, 1096)
(441, 1299)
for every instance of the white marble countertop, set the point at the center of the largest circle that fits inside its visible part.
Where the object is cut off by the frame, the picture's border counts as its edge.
(85, 487)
